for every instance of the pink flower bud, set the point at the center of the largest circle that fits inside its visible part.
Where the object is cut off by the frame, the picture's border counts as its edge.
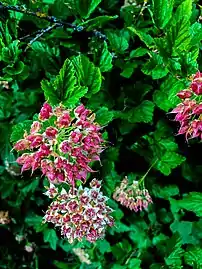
(196, 88)
(184, 94)
(36, 126)
(22, 144)
(46, 112)
(80, 109)
(35, 140)
(76, 137)
(51, 132)
(198, 110)
(64, 120)
(65, 147)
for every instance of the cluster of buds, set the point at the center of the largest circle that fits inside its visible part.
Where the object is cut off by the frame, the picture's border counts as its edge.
(132, 196)
(4, 217)
(189, 111)
(62, 143)
(79, 213)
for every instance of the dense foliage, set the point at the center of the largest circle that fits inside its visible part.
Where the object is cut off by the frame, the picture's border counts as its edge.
(126, 62)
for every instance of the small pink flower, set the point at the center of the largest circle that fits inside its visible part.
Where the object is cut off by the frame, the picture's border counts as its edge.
(196, 88)
(51, 132)
(64, 120)
(46, 112)
(22, 144)
(65, 147)
(184, 94)
(35, 128)
(35, 140)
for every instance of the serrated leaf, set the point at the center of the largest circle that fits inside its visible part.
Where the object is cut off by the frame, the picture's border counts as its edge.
(105, 59)
(103, 246)
(118, 41)
(178, 35)
(73, 97)
(65, 82)
(138, 52)
(175, 251)
(49, 91)
(184, 228)
(144, 37)
(162, 11)
(165, 192)
(169, 161)
(193, 257)
(50, 237)
(192, 202)
(88, 74)
(166, 98)
(31, 187)
(155, 67)
(19, 129)
(104, 116)
(35, 221)
(82, 7)
(142, 113)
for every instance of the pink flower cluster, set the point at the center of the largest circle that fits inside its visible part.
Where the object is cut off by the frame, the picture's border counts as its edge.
(189, 111)
(132, 196)
(81, 213)
(62, 143)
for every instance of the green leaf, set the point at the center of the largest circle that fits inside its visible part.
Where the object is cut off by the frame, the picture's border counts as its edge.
(162, 11)
(10, 54)
(134, 263)
(35, 221)
(144, 37)
(31, 187)
(19, 129)
(73, 97)
(155, 67)
(184, 228)
(50, 237)
(138, 52)
(99, 21)
(105, 59)
(169, 161)
(104, 116)
(196, 33)
(118, 41)
(103, 246)
(65, 82)
(175, 251)
(178, 35)
(166, 98)
(142, 113)
(88, 75)
(192, 202)
(2, 169)
(49, 92)
(193, 257)
(165, 192)
(82, 7)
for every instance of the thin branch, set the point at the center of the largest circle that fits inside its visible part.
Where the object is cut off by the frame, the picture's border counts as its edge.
(50, 19)
(42, 32)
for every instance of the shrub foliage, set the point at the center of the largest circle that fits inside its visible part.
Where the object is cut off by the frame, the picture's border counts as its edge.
(126, 61)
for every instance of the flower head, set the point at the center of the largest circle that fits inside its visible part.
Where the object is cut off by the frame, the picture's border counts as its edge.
(82, 213)
(62, 143)
(189, 111)
(132, 196)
